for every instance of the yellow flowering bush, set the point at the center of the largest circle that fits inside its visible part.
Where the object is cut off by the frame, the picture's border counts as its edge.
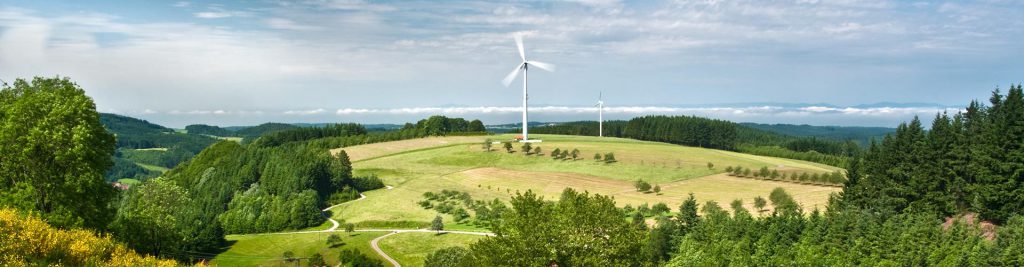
(29, 241)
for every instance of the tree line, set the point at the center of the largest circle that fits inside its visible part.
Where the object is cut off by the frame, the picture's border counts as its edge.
(718, 134)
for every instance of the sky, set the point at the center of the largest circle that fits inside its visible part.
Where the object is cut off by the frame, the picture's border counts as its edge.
(843, 62)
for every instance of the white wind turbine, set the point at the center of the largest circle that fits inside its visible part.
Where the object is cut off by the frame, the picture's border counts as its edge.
(525, 67)
(600, 115)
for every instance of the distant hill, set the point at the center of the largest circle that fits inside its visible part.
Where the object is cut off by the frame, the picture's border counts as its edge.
(243, 131)
(861, 135)
(144, 149)
(124, 125)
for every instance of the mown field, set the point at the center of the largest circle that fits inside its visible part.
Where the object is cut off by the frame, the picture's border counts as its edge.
(459, 163)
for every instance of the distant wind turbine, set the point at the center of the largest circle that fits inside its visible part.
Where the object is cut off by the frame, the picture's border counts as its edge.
(600, 115)
(525, 67)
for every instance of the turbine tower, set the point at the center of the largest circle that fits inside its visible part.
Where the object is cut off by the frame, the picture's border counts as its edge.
(525, 67)
(600, 115)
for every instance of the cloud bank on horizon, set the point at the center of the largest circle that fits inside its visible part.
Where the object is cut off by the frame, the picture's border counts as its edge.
(388, 61)
(878, 115)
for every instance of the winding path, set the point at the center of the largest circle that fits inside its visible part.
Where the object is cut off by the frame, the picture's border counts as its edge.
(379, 251)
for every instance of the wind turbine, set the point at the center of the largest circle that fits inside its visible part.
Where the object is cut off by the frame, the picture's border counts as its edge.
(600, 115)
(525, 67)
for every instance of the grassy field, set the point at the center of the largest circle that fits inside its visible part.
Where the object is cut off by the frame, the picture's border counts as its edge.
(459, 163)
(410, 249)
(267, 250)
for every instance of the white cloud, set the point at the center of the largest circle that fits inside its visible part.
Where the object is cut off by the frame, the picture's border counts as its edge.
(287, 24)
(212, 15)
(182, 4)
(306, 112)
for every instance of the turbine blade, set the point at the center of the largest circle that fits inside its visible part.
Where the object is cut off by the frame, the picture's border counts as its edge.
(542, 65)
(519, 43)
(512, 75)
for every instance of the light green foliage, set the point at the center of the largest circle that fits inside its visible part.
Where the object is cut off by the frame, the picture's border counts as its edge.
(148, 218)
(268, 250)
(578, 230)
(54, 153)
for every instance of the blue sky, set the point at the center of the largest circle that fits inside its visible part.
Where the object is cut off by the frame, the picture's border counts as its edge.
(799, 61)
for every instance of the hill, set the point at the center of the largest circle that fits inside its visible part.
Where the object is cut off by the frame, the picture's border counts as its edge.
(145, 150)
(415, 167)
(861, 135)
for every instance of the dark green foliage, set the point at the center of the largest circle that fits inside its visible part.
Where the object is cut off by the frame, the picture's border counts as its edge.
(367, 183)
(308, 133)
(476, 126)
(660, 208)
(556, 154)
(124, 168)
(450, 257)
(354, 258)
(263, 129)
(204, 129)
(54, 153)
(130, 126)
(526, 148)
(317, 260)
(860, 135)
(971, 161)
(578, 230)
(508, 147)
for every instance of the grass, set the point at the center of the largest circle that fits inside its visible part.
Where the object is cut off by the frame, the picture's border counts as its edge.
(128, 181)
(410, 249)
(267, 250)
(152, 167)
(459, 163)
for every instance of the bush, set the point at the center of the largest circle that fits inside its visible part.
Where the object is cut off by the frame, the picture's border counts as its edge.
(367, 183)
(357, 259)
(642, 186)
(609, 157)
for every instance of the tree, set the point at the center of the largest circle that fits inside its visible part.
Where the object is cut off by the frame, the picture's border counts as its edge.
(556, 153)
(760, 203)
(657, 189)
(578, 230)
(642, 186)
(609, 157)
(728, 169)
(537, 151)
(437, 224)
(460, 214)
(597, 156)
(508, 147)
(526, 148)
(476, 126)
(711, 166)
(450, 257)
(746, 172)
(564, 155)
(575, 153)
(148, 215)
(317, 260)
(288, 256)
(487, 145)
(350, 227)
(333, 240)
(660, 208)
(55, 153)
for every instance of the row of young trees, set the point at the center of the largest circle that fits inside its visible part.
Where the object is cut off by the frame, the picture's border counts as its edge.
(833, 178)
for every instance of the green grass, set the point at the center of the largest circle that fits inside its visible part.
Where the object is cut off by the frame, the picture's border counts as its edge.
(267, 250)
(152, 167)
(410, 249)
(487, 175)
(128, 181)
